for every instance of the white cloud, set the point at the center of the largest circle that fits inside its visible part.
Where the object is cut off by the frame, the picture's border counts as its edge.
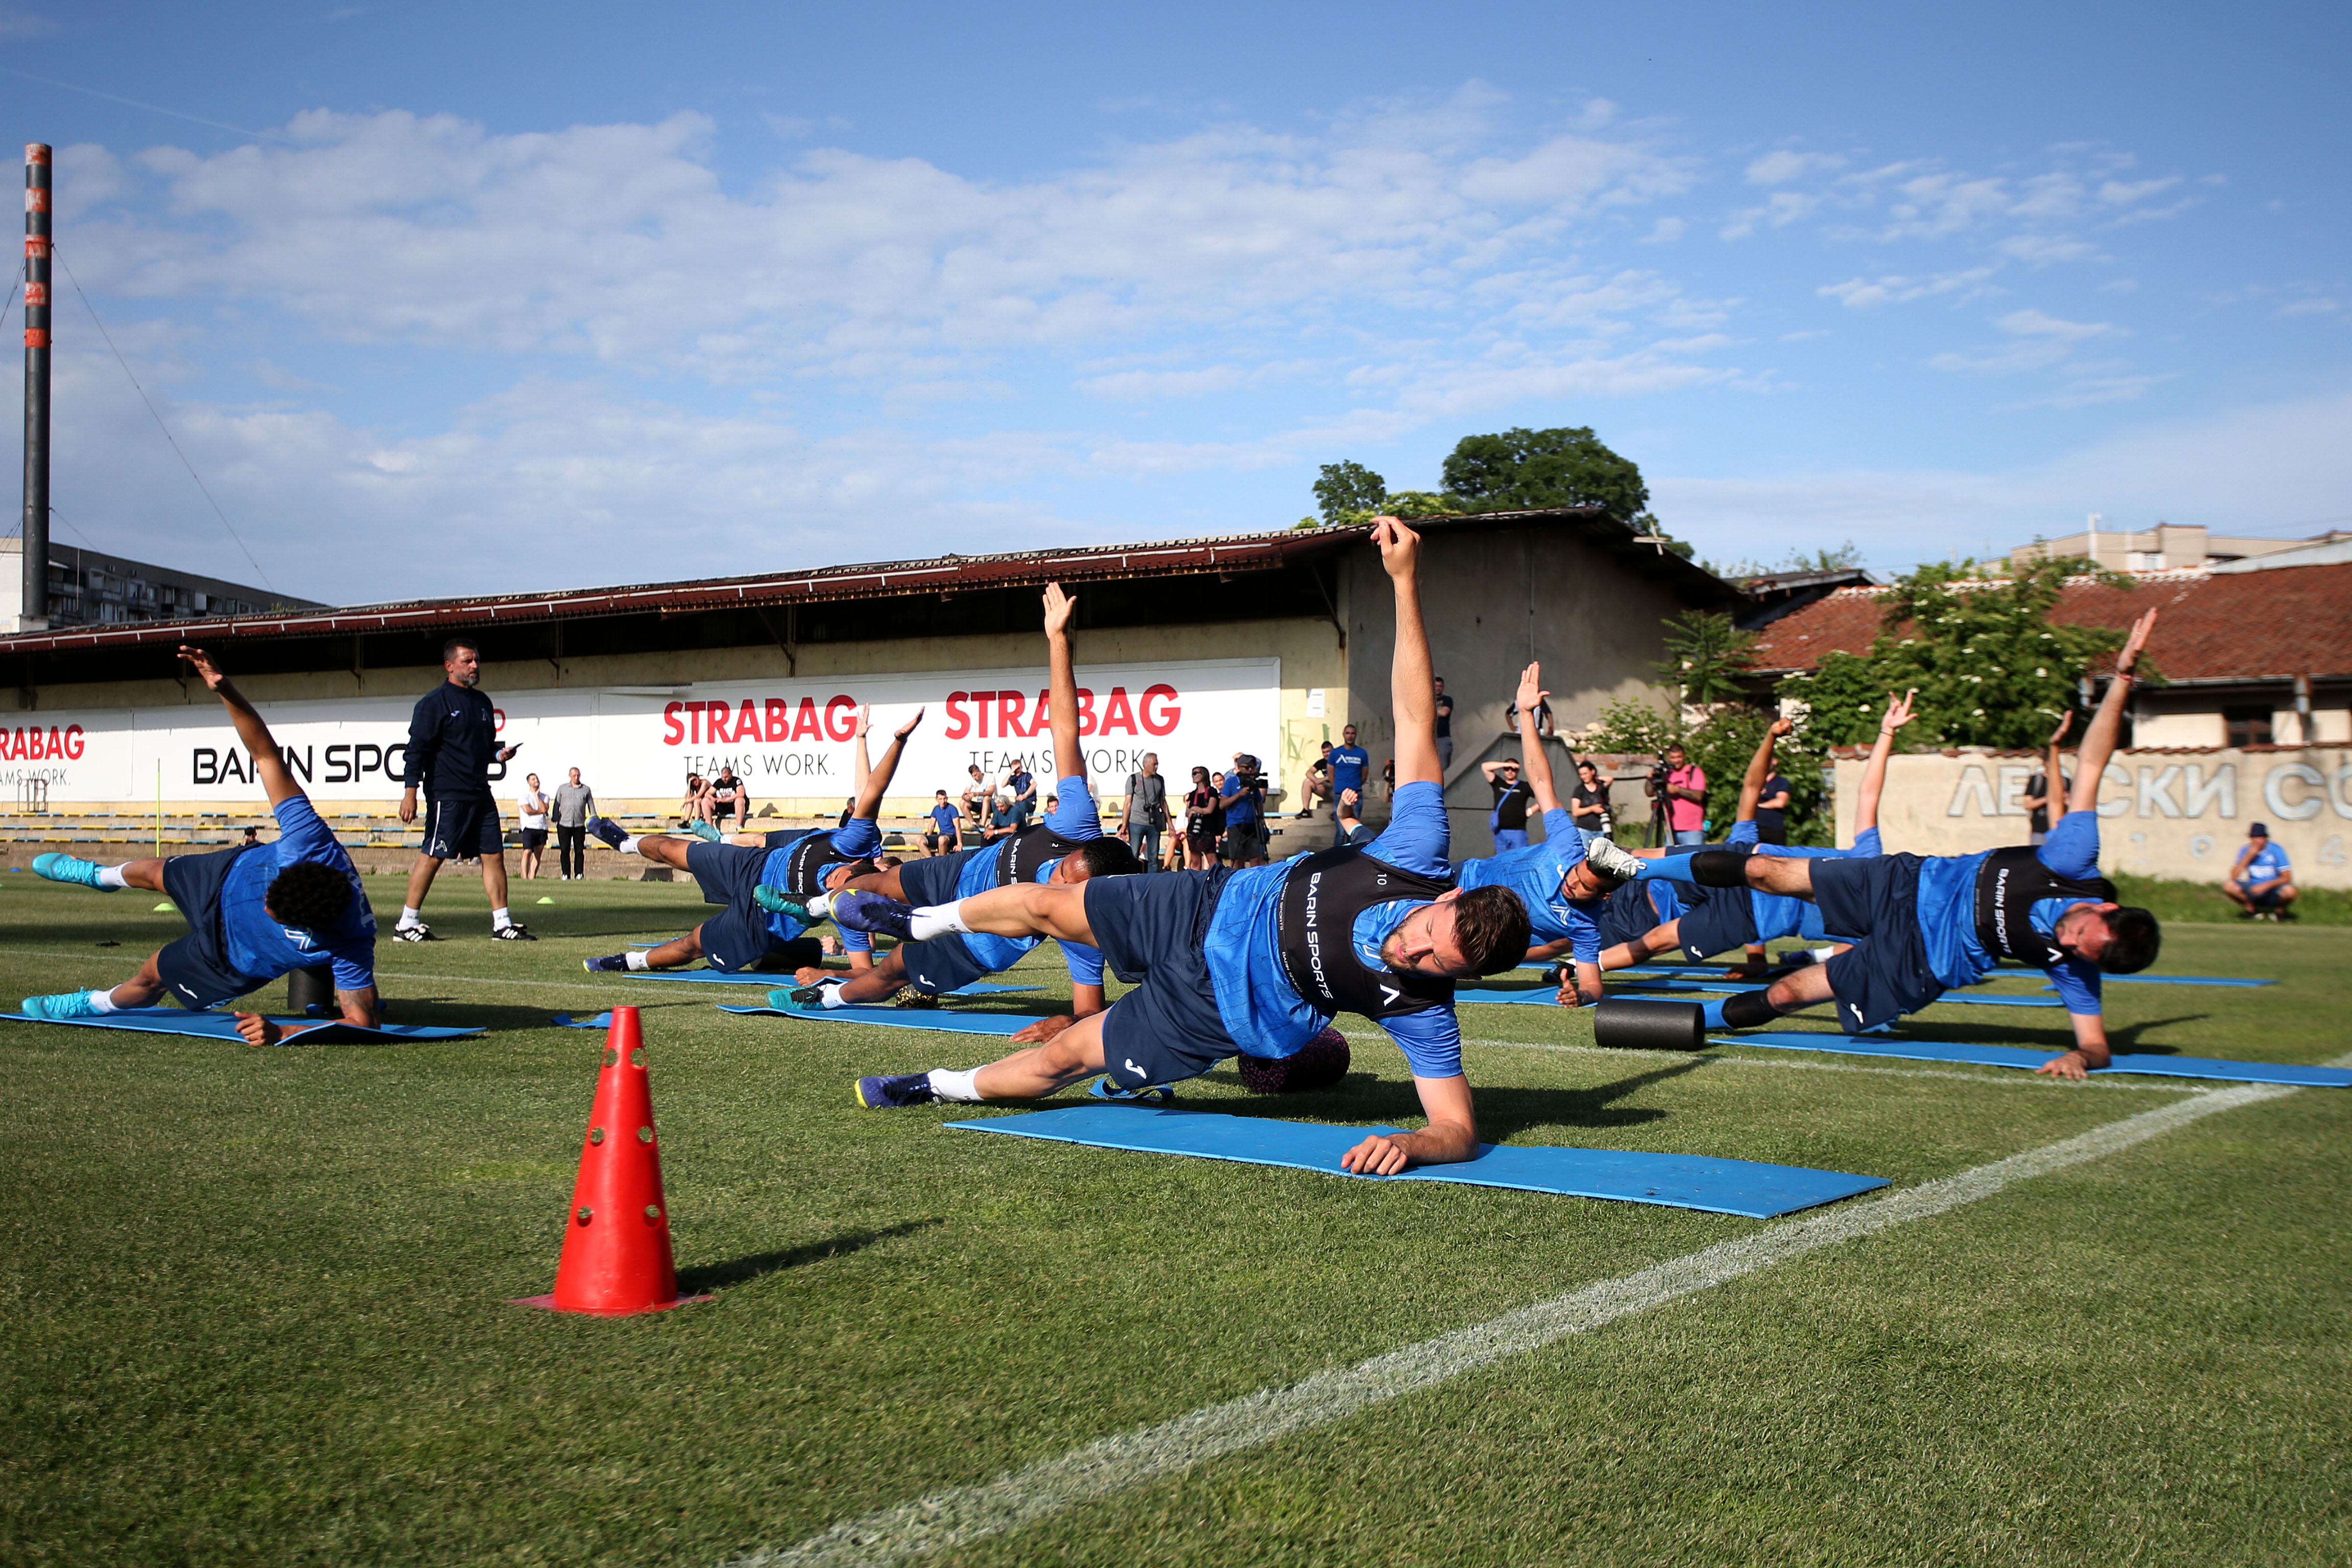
(2316, 306)
(1779, 168)
(1860, 293)
(2040, 324)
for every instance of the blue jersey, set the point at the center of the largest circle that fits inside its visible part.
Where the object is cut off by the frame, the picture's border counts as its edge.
(859, 839)
(2268, 864)
(1261, 1009)
(1244, 806)
(260, 947)
(948, 820)
(1075, 815)
(1348, 765)
(1535, 874)
(1948, 910)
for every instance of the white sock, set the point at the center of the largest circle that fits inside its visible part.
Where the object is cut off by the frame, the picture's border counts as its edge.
(636, 959)
(960, 1087)
(939, 919)
(101, 1002)
(411, 916)
(111, 877)
(626, 847)
(501, 918)
(829, 994)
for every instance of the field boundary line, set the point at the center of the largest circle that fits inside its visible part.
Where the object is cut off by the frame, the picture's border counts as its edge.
(958, 1516)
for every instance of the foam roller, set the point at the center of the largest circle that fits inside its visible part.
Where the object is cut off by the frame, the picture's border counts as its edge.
(306, 987)
(1321, 1063)
(1628, 1024)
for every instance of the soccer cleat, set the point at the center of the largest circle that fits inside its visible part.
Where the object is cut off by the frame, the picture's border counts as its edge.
(705, 832)
(513, 931)
(1148, 1094)
(420, 931)
(903, 1089)
(777, 901)
(606, 831)
(60, 868)
(874, 913)
(63, 1005)
(617, 963)
(1613, 861)
(801, 998)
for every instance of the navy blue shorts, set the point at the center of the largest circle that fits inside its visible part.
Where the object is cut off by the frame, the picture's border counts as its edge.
(944, 963)
(1885, 973)
(196, 968)
(739, 939)
(932, 880)
(1152, 931)
(1628, 914)
(1717, 923)
(465, 826)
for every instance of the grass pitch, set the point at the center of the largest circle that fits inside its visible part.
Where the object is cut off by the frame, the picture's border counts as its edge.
(256, 1300)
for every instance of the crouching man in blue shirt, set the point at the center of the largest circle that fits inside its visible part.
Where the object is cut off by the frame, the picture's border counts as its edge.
(1922, 924)
(1263, 957)
(255, 912)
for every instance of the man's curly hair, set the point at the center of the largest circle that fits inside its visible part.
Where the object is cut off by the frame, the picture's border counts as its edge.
(309, 895)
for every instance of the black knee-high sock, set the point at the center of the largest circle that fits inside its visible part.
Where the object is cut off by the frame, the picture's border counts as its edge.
(1721, 865)
(1747, 1009)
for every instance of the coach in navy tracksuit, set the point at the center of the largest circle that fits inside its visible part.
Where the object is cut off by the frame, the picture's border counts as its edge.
(453, 740)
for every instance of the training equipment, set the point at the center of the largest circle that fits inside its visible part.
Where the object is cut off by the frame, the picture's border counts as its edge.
(601, 1021)
(512, 931)
(546, 900)
(1677, 1180)
(2019, 1057)
(308, 988)
(1649, 1024)
(56, 867)
(616, 1253)
(222, 1026)
(1320, 1063)
(937, 1020)
(894, 1091)
(167, 908)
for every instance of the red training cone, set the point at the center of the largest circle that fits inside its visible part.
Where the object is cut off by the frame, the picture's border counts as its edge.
(616, 1254)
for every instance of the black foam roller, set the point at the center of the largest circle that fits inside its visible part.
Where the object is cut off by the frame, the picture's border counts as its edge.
(306, 987)
(1629, 1024)
(1321, 1063)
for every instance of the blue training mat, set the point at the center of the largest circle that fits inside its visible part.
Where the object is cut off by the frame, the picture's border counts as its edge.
(2170, 980)
(1677, 1180)
(601, 1021)
(745, 977)
(2019, 1057)
(223, 1026)
(939, 1020)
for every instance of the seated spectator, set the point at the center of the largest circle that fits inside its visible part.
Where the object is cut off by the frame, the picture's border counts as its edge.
(1508, 820)
(945, 836)
(1024, 785)
(1316, 783)
(2262, 883)
(1589, 805)
(979, 794)
(729, 801)
(695, 804)
(1003, 821)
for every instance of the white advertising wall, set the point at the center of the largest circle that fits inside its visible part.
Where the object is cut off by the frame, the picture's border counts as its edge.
(788, 741)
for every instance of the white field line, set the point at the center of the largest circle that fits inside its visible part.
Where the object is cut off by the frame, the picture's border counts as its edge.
(959, 1516)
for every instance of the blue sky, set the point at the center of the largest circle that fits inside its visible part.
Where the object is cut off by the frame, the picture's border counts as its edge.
(440, 301)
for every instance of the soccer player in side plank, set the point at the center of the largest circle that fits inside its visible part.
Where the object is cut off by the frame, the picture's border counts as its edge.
(1068, 848)
(1922, 924)
(1263, 956)
(255, 912)
(748, 937)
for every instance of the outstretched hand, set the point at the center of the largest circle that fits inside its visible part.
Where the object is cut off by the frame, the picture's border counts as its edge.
(908, 728)
(1399, 546)
(1059, 608)
(204, 666)
(2134, 644)
(1899, 710)
(2066, 722)
(1531, 693)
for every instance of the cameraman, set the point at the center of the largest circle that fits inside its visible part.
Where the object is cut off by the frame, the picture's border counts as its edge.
(1245, 803)
(1681, 788)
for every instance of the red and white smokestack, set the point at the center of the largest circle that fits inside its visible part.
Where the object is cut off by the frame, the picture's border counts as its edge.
(35, 609)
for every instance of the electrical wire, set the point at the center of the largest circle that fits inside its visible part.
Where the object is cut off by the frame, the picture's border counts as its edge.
(160, 425)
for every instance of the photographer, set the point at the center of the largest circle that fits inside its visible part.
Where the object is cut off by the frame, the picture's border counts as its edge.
(1244, 803)
(1590, 805)
(1679, 788)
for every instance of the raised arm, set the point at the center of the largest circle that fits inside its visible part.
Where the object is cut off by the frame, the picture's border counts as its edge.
(1536, 769)
(874, 782)
(1874, 771)
(1759, 768)
(2099, 741)
(1062, 700)
(1413, 685)
(268, 764)
(2054, 766)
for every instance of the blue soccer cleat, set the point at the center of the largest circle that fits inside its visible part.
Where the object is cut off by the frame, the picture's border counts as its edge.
(617, 963)
(607, 831)
(799, 998)
(777, 901)
(60, 868)
(903, 1089)
(705, 832)
(873, 913)
(65, 1004)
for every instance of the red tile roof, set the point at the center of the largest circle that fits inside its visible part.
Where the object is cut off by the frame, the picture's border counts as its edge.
(2293, 620)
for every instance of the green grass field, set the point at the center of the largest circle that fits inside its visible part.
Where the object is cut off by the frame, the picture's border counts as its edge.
(255, 1301)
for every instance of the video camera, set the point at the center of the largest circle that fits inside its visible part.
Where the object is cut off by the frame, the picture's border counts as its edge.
(1245, 772)
(1658, 776)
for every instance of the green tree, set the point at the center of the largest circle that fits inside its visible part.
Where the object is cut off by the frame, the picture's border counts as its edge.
(1530, 468)
(1346, 488)
(1721, 744)
(1991, 665)
(1707, 656)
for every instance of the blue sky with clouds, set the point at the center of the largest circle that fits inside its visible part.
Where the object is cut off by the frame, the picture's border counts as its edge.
(444, 299)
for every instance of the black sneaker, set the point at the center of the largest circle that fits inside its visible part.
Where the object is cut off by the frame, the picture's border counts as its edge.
(512, 931)
(606, 831)
(873, 913)
(617, 963)
(420, 931)
(899, 1090)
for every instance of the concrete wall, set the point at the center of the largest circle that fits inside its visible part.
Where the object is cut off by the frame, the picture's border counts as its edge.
(2168, 813)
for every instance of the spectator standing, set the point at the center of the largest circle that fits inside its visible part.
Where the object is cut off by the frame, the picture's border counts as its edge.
(573, 804)
(1349, 763)
(2038, 794)
(2262, 883)
(1508, 820)
(945, 836)
(1387, 778)
(1545, 726)
(1316, 783)
(531, 812)
(1145, 815)
(1244, 803)
(1772, 811)
(1589, 805)
(1444, 726)
(453, 743)
(1204, 823)
(1685, 797)
(730, 800)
